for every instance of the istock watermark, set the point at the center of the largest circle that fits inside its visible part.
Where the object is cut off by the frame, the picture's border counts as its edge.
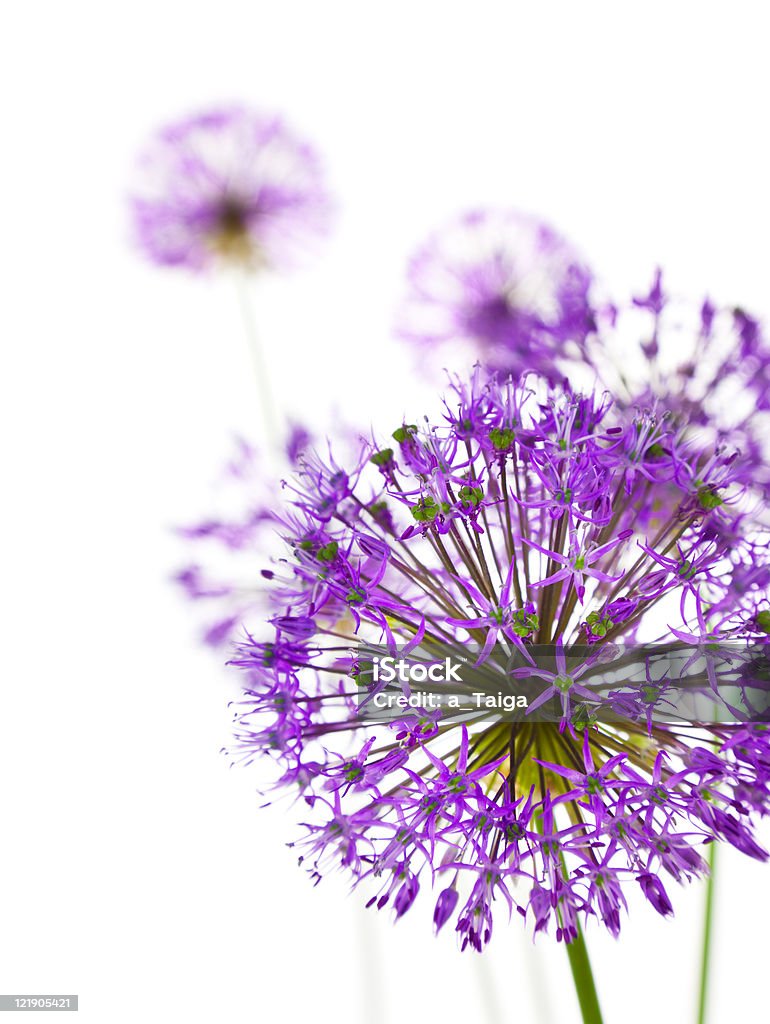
(405, 670)
(686, 683)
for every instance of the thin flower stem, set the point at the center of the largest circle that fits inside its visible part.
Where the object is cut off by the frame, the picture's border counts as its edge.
(492, 1011)
(370, 957)
(583, 977)
(538, 984)
(272, 421)
(708, 921)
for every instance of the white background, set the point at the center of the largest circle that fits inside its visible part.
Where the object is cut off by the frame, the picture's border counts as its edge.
(135, 867)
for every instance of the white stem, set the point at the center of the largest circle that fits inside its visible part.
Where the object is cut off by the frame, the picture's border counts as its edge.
(537, 982)
(272, 422)
(530, 967)
(492, 1010)
(373, 998)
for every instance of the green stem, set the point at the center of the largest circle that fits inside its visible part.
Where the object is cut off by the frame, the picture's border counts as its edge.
(582, 975)
(707, 929)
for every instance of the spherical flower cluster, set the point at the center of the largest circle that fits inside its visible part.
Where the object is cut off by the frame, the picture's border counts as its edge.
(503, 287)
(230, 185)
(704, 366)
(531, 516)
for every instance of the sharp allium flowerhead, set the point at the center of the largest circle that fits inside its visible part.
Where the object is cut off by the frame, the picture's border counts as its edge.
(530, 517)
(229, 186)
(504, 286)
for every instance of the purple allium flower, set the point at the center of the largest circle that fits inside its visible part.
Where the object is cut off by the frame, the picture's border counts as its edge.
(703, 366)
(228, 548)
(229, 185)
(502, 284)
(536, 516)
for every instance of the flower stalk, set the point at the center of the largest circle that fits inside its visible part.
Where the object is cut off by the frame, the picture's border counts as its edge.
(583, 977)
(272, 422)
(708, 921)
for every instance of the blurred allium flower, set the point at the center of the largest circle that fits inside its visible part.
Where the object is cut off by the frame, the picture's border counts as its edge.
(229, 185)
(502, 284)
(228, 547)
(222, 577)
(703, 366)
(531, 515)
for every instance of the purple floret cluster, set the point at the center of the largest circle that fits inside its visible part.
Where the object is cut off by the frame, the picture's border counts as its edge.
(706, 366)
(531, 514)
(229, 186)
(503, 284)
